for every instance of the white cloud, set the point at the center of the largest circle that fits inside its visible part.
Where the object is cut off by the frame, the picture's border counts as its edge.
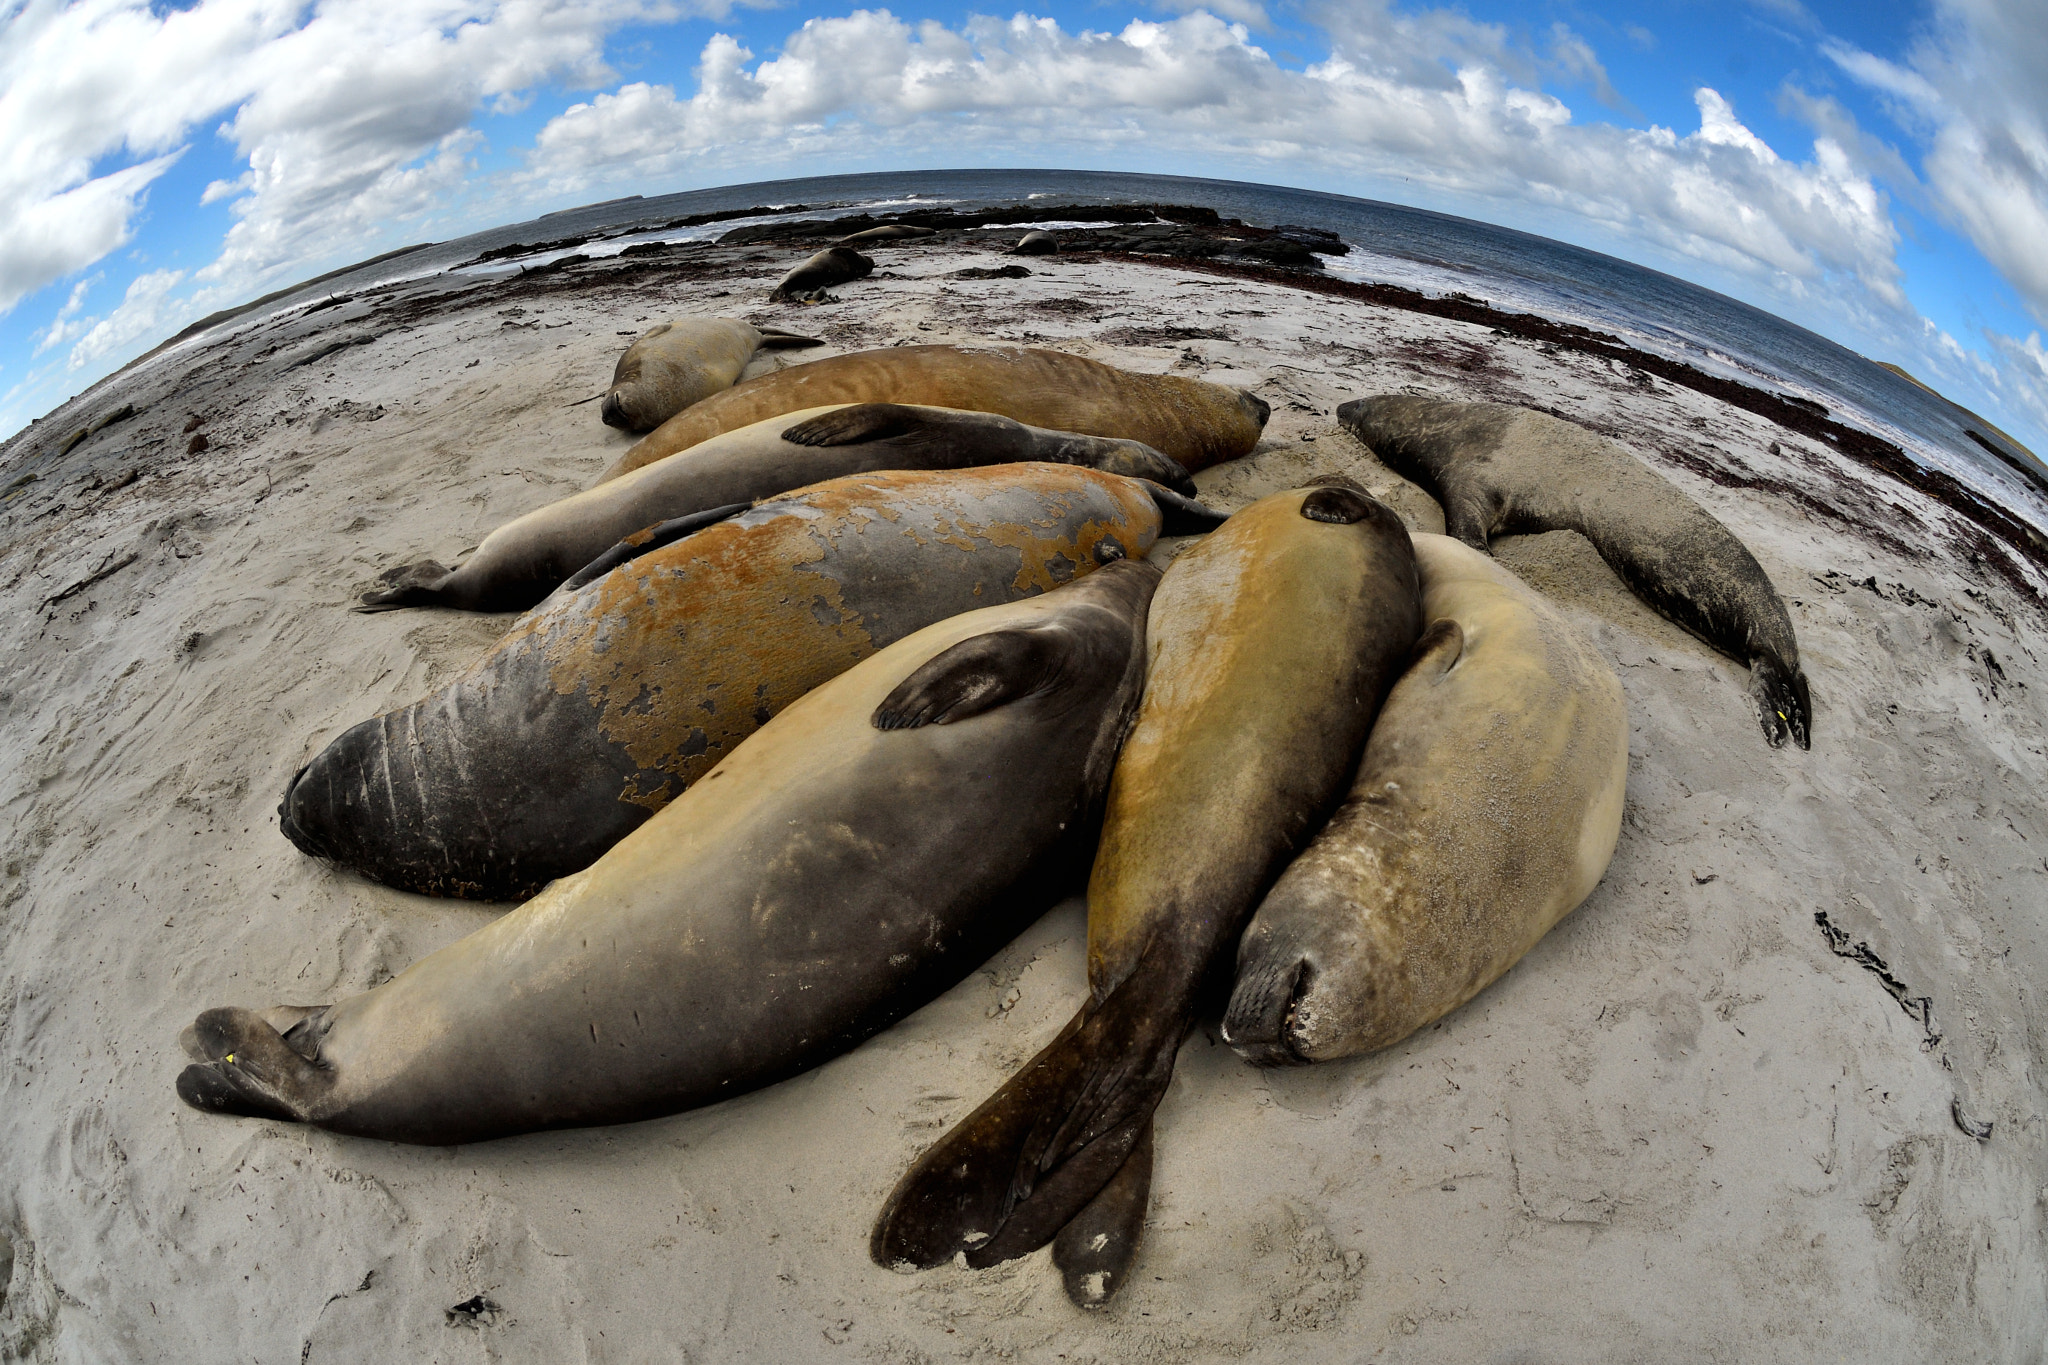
(1427, 97)
(1975, 93)
(142, 314)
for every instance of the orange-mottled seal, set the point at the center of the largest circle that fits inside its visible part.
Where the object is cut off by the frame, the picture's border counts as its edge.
(833, 265)
(1486, 808)
(680, 363)
(636, 678)
(522, 561)
(1271, 644)
(1499, 470)
(849, 862)
(1188, 420)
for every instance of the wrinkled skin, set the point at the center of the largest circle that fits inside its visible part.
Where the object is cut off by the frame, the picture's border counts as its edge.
(846, 864)
(605, 702)
(1187, 420)
(1486, 808)
(1501, 470)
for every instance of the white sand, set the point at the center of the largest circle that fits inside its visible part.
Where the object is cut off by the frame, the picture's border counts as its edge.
(1683, 1129)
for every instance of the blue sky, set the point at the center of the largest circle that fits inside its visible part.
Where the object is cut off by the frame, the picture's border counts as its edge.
(1878, 172)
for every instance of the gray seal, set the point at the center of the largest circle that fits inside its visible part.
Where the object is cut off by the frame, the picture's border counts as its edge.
(834, 265)
(844, 866)
(1037, 242)
(1501, 470)
(524, 560)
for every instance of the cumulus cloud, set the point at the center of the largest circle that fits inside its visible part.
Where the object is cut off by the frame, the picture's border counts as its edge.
(1972, 92)
(351, 114)
(143, 314)
(1429, 97)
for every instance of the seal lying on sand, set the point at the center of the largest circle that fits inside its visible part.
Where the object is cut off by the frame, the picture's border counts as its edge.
(1486, 808)
(679, 363)
(1271, 644)
(1037, 242)
(1499, 470)
(839, 869)
(522, 561)
(627, 686)
(888, 232)
(833, 265)
(1191, 421)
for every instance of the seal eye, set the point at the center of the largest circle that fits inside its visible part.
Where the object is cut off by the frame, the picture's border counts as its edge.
(1338, 505)
(1108, 551)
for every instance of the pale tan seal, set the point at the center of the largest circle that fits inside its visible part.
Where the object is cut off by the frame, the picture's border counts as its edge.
(680, 363)
(1486, 808)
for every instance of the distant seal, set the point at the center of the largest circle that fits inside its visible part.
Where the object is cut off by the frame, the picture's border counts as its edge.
(833, 265)
(680, 363)
(1501, 470)
(522, 561)
(1037, 242)
(888, 232)
(1271, 644)
(1486, 808)
(1196, 423)
(844, 866)
(646, 668)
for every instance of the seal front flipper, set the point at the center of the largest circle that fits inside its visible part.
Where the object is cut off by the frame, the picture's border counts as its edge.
(409, 585)
(1094, 1252)
(1781, 702)
(253, 1071)
(648, 541)
(857, 424)
(974, 676)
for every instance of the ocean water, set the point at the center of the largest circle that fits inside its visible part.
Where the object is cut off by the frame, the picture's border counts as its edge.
(1432, 252)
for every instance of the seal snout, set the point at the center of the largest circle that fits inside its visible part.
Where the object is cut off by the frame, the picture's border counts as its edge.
(1265, 1020)
(1260, 408)
(297, 817)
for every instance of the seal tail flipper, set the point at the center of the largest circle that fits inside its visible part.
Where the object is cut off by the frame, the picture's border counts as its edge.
(248, 1069)
(648, 541)
(1023, 1165)
(774, 338)
(1095, 1250)
(1779, 697)
(409, 585)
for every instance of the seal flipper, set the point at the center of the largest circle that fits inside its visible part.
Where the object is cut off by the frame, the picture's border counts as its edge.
(1180, 515)
(253, 1071)
(649, 540)
(775, 339)
(974, 676)
(1781, 702)
(1024, 1165)
(409, 585)
(856, 424)
(1094, 1252)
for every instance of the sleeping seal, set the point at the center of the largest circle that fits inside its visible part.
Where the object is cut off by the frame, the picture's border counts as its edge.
(523, 560)
(846, 864)
(1499, 470)
(833, 265)
(1270, 645)
(679, 363)
(888, 232)
(1486, 808)
(645, 669)
(1187, 420)
(1037, 242)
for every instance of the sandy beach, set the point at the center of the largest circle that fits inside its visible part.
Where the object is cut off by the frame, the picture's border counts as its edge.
(1724, 1112)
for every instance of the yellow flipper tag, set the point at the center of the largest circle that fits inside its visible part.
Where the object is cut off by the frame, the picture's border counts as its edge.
(230, 1057)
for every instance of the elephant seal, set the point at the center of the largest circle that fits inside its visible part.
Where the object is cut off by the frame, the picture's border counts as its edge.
(833, 265)
(522, 561)
(1037, 242)
(888, 232)
(1188, 420)
(1499, 470)
(680, 363)
(842, 867)
(1271, 644)
(1486, 808)
(641, 673)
